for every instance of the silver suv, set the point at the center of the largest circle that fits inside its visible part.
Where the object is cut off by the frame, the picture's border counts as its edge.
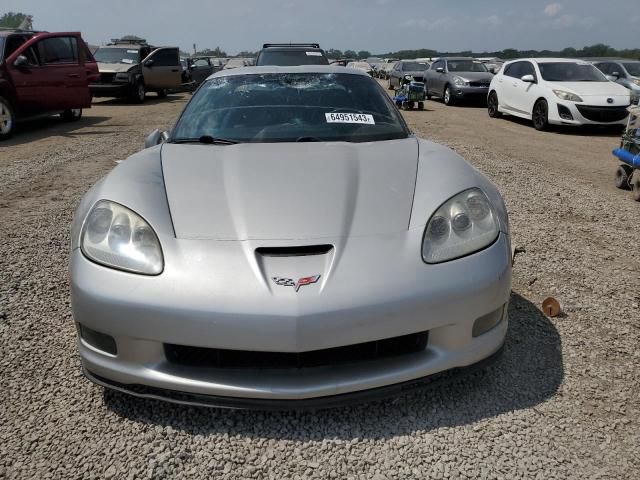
(131, 68)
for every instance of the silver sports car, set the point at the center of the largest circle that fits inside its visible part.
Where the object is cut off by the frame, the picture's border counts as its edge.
(288, 243)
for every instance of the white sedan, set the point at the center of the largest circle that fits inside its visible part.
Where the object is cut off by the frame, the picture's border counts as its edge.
(559, 92)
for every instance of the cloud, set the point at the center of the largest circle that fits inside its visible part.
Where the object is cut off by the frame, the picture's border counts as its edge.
(491, 20)
(570, 21)
(438, 24)
(553, 9)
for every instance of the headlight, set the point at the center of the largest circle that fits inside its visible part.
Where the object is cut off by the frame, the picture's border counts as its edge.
(636, 81)
(571, 97)
(463, 225)
(115, 236)
(122, 76)
(459, 81)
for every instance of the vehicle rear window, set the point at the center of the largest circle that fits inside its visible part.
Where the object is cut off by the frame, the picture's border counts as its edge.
(291, 107)
(570, 72)
(290, 58)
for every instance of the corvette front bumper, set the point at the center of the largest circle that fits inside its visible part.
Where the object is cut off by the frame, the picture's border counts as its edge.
(209, 305)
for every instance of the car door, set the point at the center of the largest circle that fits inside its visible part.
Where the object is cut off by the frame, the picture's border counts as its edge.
(436, 78)
(507, 86)
(396, 72)
(161, 69)
(200, 69)
(26, 81)
(524, 94)
(67, 78)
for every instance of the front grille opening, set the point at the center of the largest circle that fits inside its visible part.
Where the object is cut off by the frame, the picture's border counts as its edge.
(243, 359)
(603, 114)
(301, 251)
(99, 341)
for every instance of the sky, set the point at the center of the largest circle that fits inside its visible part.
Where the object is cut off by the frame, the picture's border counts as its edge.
(377, 26)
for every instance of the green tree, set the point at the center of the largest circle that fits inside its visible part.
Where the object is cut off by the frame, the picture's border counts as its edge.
(12, 19)
(334, 54)
(350, 54)
(362, 54)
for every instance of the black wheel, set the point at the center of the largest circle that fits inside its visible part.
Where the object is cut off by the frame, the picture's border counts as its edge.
(389, 85)
(7, 119)
(162, 93)
(492, 105)
(71, 115)
(623, 174)
(139, 93)
(540, 115)
(635, 186)
(405, 105)
(448, 96)
(420, 105)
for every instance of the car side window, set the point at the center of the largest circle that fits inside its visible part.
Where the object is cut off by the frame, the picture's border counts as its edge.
(201, 62)
(513, 70)
(12, 44)
(527, 69)
(167, 57)
(438, 64)
(57, 50)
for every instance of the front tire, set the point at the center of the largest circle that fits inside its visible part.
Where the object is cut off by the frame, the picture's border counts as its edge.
(540, 115)
(492, 105)
(162, 93)
(623, 174)
(139, 93)
(447, 97)
(7, 119)
(71, 115)
(389, 85)
(635, 187)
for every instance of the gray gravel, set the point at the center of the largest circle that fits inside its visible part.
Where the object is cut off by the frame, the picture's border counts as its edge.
(562, 403)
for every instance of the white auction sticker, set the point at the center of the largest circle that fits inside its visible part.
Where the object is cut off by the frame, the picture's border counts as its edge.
(314, 54)
(132, 51)
(350, 118)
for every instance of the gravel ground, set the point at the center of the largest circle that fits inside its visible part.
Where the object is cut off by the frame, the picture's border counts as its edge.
(563, 402)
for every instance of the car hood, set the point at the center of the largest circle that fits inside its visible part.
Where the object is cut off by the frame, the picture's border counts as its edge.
(591, 89)
(474, 76)
(290, 191)
(114, 67)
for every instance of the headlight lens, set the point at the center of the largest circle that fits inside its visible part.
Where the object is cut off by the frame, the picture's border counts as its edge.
(636, 81)
(122, 76)
(458, 81)
(571, 97)
(115, 236)
(463, 225)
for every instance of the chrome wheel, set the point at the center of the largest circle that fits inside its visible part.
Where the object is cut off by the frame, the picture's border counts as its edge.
(6, 118)
(447, 96)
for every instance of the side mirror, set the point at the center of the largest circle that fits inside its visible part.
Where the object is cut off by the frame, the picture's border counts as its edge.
(528, 79)
(616, 75)
(155, 138)
(149, 63)
(440, 70)
(21, 61)
(493, 70)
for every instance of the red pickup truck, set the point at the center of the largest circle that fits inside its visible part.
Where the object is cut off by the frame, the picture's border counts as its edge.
(43, 73)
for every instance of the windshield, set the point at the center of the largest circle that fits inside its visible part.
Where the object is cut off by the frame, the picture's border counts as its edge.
(116, 55)
(289, 107)
(291, 58)
(1, 49)
(413, 67)
(570, 72)
(466, 66)
(633, 68)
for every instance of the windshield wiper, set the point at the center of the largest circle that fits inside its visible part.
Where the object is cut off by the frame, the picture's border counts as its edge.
(207, 139)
